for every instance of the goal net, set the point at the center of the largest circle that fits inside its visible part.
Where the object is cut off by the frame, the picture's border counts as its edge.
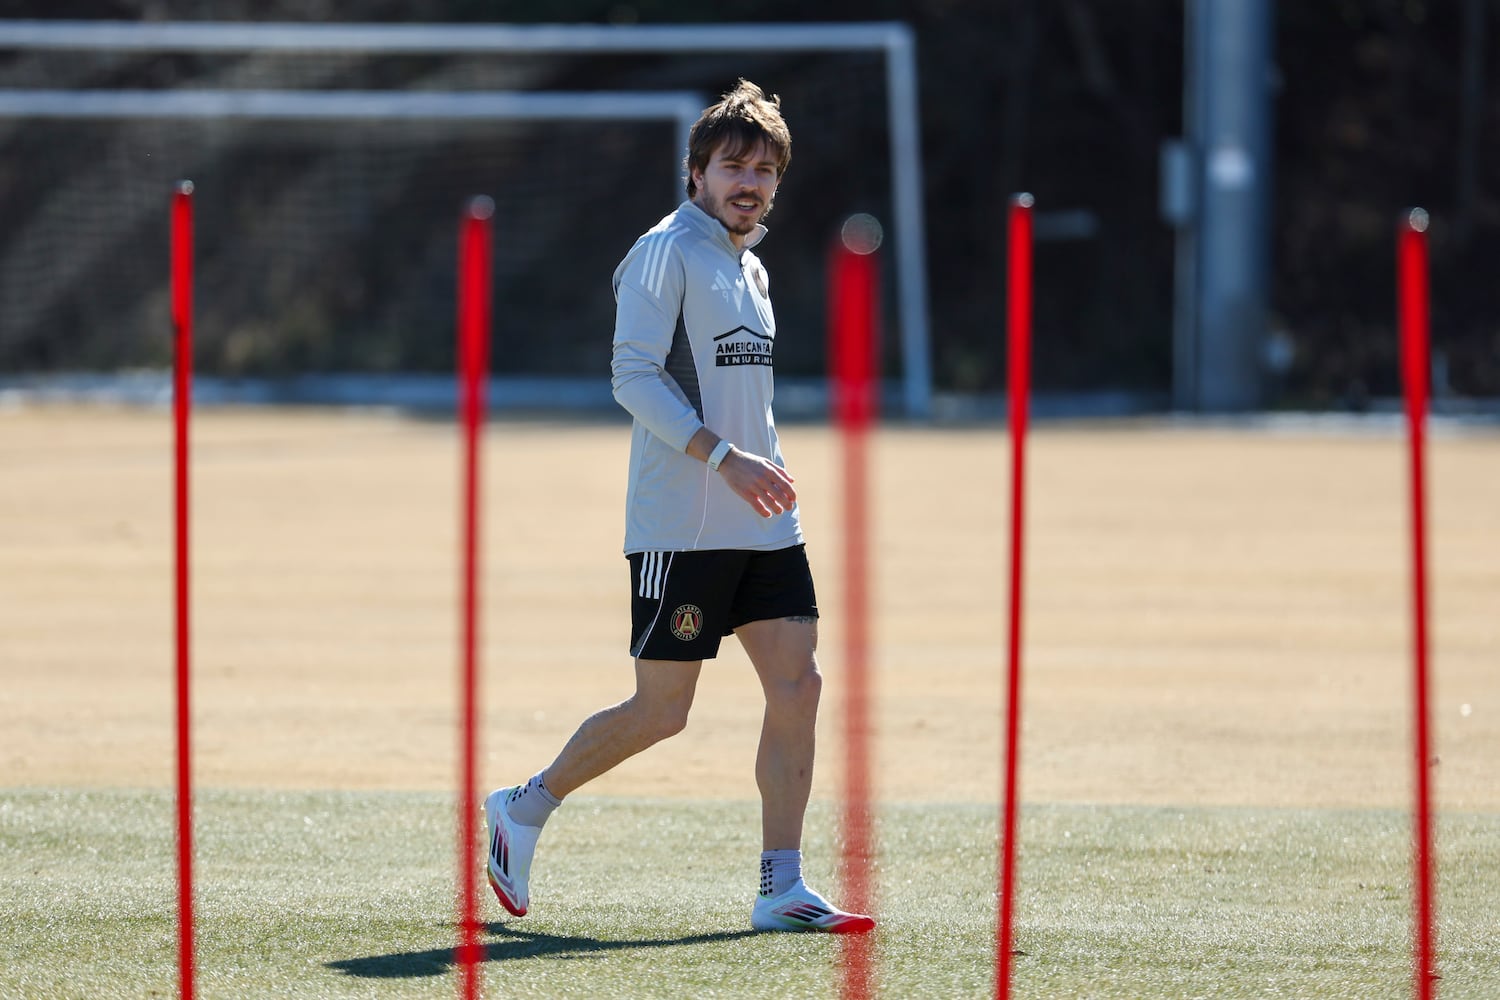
(328, 188)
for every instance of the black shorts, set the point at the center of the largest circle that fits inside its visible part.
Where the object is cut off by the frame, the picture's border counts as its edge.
(683, 603)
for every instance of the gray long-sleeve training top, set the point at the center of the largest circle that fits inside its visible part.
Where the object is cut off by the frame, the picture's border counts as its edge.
(694, 337)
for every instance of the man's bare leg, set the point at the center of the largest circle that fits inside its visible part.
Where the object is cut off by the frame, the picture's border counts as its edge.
(515, 816)
(659, 708)
(782, 651)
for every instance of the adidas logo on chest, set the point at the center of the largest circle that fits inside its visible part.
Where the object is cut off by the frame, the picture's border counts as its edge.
(731, 290)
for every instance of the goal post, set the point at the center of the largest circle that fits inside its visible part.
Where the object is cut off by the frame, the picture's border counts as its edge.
(895, 42)
(680, 107)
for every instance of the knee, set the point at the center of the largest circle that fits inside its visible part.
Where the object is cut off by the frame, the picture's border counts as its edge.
(798, 693)
(666, 720)
(810, 687)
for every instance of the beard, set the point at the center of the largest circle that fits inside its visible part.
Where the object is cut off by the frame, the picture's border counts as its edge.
(732, 220)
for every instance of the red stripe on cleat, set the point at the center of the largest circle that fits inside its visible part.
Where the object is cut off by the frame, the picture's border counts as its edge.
(505, 900)
(852, 923)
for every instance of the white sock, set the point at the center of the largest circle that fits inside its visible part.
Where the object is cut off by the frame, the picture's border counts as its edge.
(779, 871)
(531, 803)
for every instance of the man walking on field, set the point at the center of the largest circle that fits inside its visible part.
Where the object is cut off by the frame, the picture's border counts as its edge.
(712, 532)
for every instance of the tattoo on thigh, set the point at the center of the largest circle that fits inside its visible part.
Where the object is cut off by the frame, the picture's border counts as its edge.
(803, 619)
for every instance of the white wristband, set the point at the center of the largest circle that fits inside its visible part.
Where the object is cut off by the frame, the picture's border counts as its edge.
(716, 457)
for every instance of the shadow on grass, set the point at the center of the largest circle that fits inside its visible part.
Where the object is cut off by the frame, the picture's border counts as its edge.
(513, 944)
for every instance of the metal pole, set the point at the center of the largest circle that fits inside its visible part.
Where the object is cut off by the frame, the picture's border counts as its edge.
(1232, 135)
(909, 227)
(1185, 279)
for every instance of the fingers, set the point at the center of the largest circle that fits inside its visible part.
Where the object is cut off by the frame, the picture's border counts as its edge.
(773, 501)
(764, 485)
(779, 492)
(780, 473)
(770, 496)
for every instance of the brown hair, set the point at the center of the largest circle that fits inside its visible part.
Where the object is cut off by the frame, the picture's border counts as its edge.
(743, 117)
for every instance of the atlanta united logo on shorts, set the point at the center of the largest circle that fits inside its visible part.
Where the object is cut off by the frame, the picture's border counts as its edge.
(687, 622)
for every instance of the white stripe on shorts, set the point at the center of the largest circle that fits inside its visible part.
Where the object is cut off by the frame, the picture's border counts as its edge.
(652, 572)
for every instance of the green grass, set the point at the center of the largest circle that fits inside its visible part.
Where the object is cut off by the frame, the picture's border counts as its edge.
(350, 895)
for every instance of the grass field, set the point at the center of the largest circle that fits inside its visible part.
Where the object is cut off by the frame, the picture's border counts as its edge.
(350, 895)
(1216, 760)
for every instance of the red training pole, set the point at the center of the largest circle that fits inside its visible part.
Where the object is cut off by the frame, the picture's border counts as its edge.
(1414, 310)
(474, 257)
(852, 303)
(182, 404)
(1018, 327)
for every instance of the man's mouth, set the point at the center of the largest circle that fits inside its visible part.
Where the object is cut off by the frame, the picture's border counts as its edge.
(745, 204)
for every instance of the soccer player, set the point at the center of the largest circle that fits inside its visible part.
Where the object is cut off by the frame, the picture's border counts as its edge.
(711, 526)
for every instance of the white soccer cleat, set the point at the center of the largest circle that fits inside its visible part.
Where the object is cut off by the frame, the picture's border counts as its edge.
(802, 909)
(511, 846)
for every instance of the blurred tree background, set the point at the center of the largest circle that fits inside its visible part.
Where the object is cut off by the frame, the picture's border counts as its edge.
(1378, 105)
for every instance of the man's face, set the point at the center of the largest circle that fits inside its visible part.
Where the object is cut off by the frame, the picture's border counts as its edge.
(737, 188)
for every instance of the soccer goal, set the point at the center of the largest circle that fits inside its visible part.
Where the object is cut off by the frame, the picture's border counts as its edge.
(304, 132)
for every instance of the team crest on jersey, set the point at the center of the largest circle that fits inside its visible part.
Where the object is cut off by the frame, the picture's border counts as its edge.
(687, 622)
(759, 274)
